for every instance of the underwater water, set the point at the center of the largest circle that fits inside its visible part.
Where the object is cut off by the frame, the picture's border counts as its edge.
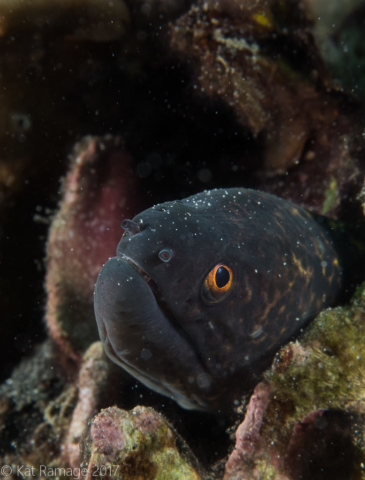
(225, 372)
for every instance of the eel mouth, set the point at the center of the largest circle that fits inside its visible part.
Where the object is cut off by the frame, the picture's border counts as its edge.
(160, 299)
(137, 267)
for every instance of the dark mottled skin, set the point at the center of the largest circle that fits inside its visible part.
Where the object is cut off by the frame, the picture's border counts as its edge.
(206, 355)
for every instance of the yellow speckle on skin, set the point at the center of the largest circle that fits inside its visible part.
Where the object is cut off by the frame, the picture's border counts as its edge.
(298, 263)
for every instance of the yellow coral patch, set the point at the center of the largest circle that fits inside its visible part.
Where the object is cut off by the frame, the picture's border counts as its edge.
(262, 20)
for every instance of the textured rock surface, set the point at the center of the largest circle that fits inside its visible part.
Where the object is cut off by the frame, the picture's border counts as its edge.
(37, 402)
(259, 59)
(95, 388)
(239, 57)
(248, 439)
(307, 418)
(136, 444)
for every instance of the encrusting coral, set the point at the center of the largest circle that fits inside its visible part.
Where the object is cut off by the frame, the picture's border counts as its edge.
(85, 232)
(259, 60)
(136, 444)
(311, 406)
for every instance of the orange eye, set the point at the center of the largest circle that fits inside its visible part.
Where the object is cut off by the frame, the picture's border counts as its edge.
(217, 283)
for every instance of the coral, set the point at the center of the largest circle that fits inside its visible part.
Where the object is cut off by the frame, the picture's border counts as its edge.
(332, 372)
(330, 176)
(259, 60)
(94, 386)
(136, 444)
(248, 437)
(238, 55)
(83, 234)
(314, 418)
(44, 409)
(36, 407)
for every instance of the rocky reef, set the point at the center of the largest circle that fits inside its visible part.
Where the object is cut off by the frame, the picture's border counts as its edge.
(133, 103)
(315, 392)
(139, 443)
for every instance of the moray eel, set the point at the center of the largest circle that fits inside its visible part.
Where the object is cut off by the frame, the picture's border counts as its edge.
(204, 291)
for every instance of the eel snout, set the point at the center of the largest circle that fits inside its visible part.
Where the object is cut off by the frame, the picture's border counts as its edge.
(138, 335)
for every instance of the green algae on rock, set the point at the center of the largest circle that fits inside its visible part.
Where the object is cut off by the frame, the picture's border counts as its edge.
(136, 444)
(315, 418)
(325, 368)
(321, 377)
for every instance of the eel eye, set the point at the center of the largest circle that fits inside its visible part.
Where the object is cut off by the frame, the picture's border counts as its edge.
(217, 283)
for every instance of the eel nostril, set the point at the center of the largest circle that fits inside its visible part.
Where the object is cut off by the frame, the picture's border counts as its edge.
(165, 254)
(131, 227)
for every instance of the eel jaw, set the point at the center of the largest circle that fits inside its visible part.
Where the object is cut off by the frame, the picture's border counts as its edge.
(159, 387)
